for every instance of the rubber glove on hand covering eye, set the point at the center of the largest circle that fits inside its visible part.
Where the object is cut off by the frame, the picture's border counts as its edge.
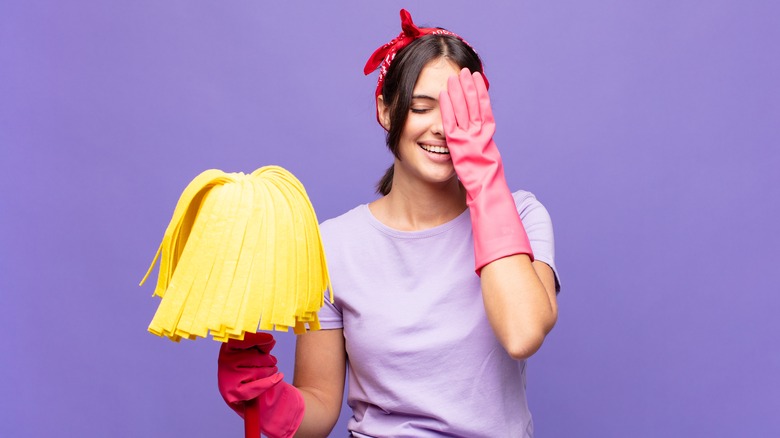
(468, 123)
(247, 370)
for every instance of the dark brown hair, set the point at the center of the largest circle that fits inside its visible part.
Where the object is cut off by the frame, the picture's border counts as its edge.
(402, 77)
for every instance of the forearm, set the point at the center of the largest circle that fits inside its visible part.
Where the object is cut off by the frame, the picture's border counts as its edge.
(520, 307)
(320, 367)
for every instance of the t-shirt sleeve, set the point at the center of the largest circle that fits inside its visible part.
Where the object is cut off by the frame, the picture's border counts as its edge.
(538, 226)
(330, 315)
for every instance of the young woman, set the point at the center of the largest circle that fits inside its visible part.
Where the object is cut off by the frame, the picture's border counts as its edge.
(446, 283)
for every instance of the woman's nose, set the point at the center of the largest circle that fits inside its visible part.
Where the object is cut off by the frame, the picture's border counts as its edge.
(437, 127)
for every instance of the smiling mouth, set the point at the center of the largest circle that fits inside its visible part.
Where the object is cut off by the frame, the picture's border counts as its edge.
(443, 150)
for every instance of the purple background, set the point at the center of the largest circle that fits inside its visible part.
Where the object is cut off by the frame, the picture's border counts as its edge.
(649, 129)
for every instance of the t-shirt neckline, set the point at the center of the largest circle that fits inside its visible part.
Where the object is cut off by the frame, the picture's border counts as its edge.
(417, 234)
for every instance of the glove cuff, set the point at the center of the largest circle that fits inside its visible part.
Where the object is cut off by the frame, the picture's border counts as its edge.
(281, 411)
(496, 226)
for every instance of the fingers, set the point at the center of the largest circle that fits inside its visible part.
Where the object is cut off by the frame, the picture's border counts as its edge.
(247, 375)
(248, 391)
(447, 112)
(466, 100)
(246, 358)
(472, 98)
(458, 100)
(253, 389)
(263, 341)
(485, 110)
(239, 375)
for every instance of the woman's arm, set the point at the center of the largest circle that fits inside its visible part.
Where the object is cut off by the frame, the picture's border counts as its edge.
(320, 367)
(519, 295)
(520, 303)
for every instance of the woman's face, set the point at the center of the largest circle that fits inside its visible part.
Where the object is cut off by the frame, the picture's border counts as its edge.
(422, 146)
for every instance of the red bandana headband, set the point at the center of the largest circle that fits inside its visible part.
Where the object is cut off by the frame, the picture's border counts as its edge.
(384, 55)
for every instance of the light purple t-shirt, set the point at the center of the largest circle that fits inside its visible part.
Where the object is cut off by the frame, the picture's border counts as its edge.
(423, 360)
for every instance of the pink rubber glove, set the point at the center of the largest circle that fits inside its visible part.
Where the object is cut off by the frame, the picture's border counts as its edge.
(469, 127)
(246, 370)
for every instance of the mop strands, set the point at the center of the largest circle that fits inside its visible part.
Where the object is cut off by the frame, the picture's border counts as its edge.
(241, 251)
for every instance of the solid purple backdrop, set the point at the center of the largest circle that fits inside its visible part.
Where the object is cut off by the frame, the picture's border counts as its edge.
(649, 129)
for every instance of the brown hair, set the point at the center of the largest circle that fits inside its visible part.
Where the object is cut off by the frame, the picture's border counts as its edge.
(402, 77)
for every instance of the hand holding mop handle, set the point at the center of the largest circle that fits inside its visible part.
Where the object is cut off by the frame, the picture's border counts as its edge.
(241, 252)
(251, 385)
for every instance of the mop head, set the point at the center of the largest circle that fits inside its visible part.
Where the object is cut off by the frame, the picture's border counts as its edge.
(241, 251)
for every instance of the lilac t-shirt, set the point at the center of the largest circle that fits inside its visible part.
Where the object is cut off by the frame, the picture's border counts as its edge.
(423, 360)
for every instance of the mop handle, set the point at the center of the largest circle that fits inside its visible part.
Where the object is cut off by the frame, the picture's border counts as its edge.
(252, 419)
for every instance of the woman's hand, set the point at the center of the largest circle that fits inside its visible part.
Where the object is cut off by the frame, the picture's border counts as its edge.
(468, 123)
(246, 370)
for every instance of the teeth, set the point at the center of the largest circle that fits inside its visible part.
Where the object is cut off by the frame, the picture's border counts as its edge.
(435, 149)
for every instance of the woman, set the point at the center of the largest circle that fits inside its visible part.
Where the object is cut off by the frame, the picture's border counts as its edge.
(441, 293)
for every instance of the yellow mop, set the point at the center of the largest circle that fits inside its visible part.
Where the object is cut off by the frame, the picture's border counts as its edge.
(241, 252)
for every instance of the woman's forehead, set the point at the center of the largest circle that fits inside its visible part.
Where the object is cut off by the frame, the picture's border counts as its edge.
(433, 77)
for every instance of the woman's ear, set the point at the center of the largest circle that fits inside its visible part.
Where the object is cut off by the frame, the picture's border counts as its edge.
(383, 111)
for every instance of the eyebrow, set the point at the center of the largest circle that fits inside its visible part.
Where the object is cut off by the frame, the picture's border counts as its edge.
(423, 96)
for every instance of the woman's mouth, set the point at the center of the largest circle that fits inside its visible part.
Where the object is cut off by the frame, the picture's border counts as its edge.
(443, 150)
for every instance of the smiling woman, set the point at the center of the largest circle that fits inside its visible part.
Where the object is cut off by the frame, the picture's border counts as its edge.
(442, 295)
